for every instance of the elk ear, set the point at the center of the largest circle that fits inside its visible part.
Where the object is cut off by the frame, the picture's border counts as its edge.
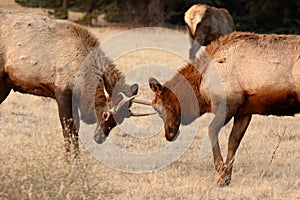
(134, 89)
(155, 85)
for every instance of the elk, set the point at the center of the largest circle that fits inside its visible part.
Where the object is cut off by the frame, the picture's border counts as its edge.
(239, 74)
(63, 61)
(205, 24)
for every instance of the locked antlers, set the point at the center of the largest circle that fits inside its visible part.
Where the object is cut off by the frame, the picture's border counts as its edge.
(126, 99)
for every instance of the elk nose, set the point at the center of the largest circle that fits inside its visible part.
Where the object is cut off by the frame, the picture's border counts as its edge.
(99, 137)
(170, 134)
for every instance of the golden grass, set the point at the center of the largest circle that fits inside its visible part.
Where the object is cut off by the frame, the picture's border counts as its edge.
(32, 164)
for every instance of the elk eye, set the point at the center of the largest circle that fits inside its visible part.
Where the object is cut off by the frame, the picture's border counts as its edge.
(105, 116)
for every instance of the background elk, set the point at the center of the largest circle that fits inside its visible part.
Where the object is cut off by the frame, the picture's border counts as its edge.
(62, 60)
(241, 74)
(205, 24)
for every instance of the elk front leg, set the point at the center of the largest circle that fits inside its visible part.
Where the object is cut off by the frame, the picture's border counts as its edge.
(213, 131)
(222, 117)
(239, 128)
(64, 101)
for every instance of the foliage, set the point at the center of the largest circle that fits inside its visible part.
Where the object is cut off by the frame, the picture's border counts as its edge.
(60, 13)
(89, 17)
(268, 16)
(38, 3)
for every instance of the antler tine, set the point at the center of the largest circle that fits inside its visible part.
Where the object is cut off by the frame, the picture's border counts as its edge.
(126, 99)
(141, 114)
(123, 101)
(141, 102)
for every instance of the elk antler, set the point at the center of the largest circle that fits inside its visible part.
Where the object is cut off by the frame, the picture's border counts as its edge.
(127, 99)
(141, 114)
(123, 101)
(141, 102)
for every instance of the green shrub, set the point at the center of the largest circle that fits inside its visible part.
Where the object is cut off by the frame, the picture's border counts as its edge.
(38, 3)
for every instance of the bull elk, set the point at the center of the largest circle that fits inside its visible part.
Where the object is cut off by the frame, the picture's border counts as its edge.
(205, 24)
(256, 74)
(63, 61)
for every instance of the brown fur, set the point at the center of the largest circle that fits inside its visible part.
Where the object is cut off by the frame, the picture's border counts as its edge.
(61, 60)
(241, 74)
(205, 24)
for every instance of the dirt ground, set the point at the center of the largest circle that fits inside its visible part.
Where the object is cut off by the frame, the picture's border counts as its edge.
(32, 164)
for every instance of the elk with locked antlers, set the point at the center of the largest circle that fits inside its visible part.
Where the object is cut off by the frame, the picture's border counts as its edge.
(63, 61)
(241, 74)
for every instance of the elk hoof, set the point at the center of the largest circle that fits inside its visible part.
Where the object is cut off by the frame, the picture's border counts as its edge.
(76, 154)
(225, 180)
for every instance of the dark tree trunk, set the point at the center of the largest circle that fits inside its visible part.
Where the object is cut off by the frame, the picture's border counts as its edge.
(92, 5)
(65, 4)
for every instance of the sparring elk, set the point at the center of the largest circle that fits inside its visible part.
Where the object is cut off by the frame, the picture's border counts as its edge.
(63, 61)
(238, 75)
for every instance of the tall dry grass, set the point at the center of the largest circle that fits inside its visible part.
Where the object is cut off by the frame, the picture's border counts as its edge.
(33, 165)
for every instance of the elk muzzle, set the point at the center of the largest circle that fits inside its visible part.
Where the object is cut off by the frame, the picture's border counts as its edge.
(171, 133)
(101, 134)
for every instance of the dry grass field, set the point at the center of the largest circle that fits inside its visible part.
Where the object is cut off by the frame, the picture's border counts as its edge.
(32, 164)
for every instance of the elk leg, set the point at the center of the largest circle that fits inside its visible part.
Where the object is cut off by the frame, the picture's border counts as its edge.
(239, 128)
(221, 118)
(64, 101)
(213, 131)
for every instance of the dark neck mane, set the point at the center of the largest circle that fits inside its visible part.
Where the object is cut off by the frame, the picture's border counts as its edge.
(113, 79)
(110, 81)
(186, 86)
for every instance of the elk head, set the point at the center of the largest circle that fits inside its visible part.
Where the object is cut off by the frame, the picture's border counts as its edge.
(167, 106)
(103, 98)
(115, 110)
(111, 109)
